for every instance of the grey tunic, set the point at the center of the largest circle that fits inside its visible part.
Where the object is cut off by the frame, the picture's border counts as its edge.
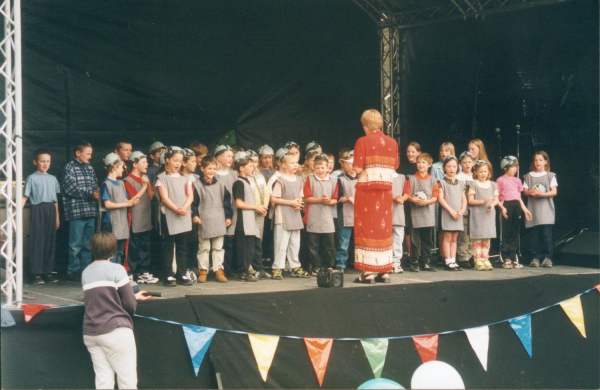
(542, 209)
(453, 196)
(320, 216)
(118, 217)
(422, 216)
(211, 210)
(250, 217)
(176, 188)
(227, 181)
(398, 216)
(140, 214)
(291, 219)
(482, 223)
(349, 189)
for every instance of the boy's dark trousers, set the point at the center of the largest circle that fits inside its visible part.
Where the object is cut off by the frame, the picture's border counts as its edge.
(192, 247)
(42, 237)
(139, 255)
(249, 252)
(177, 243)
(421, 241)
(321, 249)
(511, 229)
(228, 263)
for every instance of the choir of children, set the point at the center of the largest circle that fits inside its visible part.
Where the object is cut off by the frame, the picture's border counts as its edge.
(269, 204)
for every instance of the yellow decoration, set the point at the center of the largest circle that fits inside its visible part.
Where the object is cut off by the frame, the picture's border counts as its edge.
(573, 309)
(264, 348)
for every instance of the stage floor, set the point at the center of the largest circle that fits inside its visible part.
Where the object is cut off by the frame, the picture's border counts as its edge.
(65, 292)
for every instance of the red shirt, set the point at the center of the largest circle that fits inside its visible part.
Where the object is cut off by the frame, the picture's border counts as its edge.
(131, 189)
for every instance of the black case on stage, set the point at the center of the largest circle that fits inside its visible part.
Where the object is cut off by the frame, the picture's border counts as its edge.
(330, 278)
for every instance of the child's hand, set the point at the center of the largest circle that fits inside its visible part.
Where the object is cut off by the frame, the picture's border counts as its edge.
(456, 214)
(504, 213)
(181, 211)
(419, 201)
(197, 220)
(227, 222)
(528, 215)
(96, 194)
(490, 207)
(261, 210)
(57, 222)
(351, 199)
(324, 199)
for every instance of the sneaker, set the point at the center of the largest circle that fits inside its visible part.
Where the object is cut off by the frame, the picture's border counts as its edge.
(427, 267)
(534, 263)
(74, 277)
(130, 276)
(397, 269)
(204, 274)
(547, 263)
(191, 275)
(185, 281)
(263, 275)
(277, 274)
(299, 273)
(220, 276)
(247, 277)
(414, 268)
(37, 279)
(49, 278)
(465, 264)
(170, 282)
(146, 277)
(315, 271)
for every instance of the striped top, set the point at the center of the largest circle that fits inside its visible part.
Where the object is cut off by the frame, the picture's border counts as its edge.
(108, 298)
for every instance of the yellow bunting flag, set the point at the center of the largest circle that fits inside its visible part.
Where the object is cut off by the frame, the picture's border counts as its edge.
(319, 351)
(264, 348)
(573, 309)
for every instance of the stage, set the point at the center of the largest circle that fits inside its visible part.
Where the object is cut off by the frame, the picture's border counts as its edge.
(48, 352)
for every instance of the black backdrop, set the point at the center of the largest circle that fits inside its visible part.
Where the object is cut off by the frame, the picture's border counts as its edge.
(303, 70)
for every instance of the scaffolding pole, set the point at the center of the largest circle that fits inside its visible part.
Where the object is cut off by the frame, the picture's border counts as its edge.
(391, 49)
(11, 168)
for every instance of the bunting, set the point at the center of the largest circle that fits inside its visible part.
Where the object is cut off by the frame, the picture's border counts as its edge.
(427, 347)
(319, 351)
(480, 340)
(31, 309)
(575, 313)
(376, 350)
(522, 327)
(198, 340)
(264, 348)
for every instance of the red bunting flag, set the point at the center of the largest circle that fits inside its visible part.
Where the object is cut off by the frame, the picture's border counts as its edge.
(319, 351)
(427, 347)
(31, 309)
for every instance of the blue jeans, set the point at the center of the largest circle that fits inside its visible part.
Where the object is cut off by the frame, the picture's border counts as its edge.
(542, 245)
(80, 233)
(341, 251)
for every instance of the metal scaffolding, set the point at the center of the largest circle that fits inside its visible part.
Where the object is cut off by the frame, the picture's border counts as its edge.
(11, 168)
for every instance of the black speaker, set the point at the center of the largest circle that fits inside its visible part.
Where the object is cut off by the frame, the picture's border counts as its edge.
(330, 278)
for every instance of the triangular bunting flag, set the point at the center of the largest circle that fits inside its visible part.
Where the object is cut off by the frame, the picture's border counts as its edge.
(573, 309)
(480, 339)
(427, 347)
(31, 309)
(264, 348)
(522, 327)
(7, 319)
(376, 350)
(319, 351)
(198, 340)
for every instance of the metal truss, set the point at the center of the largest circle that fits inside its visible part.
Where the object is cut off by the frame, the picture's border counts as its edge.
(390, 80)
(11, 167)
(447, 10)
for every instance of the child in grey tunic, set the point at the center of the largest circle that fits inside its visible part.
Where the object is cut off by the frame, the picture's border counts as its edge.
(115, 202)
(540, 187)
(453, 200)
(483, 198)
